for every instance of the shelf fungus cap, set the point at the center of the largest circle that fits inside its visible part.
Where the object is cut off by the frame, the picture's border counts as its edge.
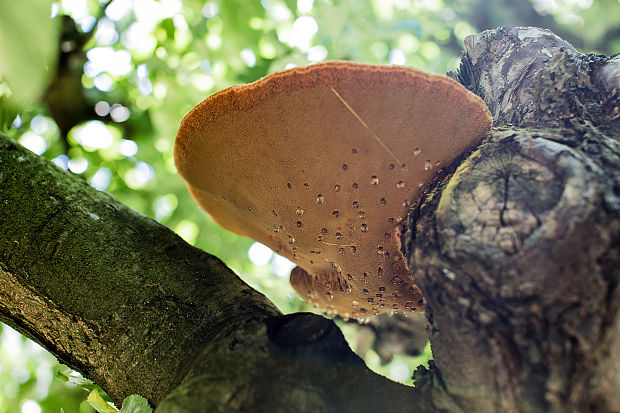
(320, 164)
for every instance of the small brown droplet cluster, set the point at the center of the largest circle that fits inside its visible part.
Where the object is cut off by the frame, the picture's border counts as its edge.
(321, 163)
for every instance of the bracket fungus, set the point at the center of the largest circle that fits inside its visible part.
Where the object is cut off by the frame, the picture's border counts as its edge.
(320, 164)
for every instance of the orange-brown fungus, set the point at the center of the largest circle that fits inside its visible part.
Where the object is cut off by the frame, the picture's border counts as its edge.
(320, 164)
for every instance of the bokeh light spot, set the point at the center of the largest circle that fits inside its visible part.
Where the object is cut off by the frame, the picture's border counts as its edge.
(102, 108)
(33, 142)
(139, 176)
(259, 254)
(164, 206)
(101, 179)
(187, 230)
(119, 113)
(78, 165)
(248, 57)
(210, 10)
(316, 54)
(93, 135)
(30, 406)
(127, 147)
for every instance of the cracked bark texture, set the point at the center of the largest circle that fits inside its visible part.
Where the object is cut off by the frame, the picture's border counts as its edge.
(517, 253)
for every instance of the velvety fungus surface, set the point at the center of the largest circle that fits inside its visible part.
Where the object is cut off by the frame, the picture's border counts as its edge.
(320, 164)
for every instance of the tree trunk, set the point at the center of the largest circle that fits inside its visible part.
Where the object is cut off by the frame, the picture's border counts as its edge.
(517, 253)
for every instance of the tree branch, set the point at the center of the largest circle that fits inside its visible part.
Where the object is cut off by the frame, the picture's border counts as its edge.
(109, 291)
(129, 304)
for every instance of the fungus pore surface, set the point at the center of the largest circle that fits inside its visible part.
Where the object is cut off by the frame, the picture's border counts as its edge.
(321, 163)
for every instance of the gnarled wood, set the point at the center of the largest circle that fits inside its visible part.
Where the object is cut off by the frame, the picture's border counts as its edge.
(517, 252)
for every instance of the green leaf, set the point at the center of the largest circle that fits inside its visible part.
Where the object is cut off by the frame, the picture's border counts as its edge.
(64, 374)
(135, 404)
(168, 26)
(28, 47)
(96, 402)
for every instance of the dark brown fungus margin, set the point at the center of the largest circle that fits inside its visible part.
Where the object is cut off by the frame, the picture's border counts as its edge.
(320, 164)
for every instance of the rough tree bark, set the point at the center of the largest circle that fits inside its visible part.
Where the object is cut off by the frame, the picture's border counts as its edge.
(517, 253)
